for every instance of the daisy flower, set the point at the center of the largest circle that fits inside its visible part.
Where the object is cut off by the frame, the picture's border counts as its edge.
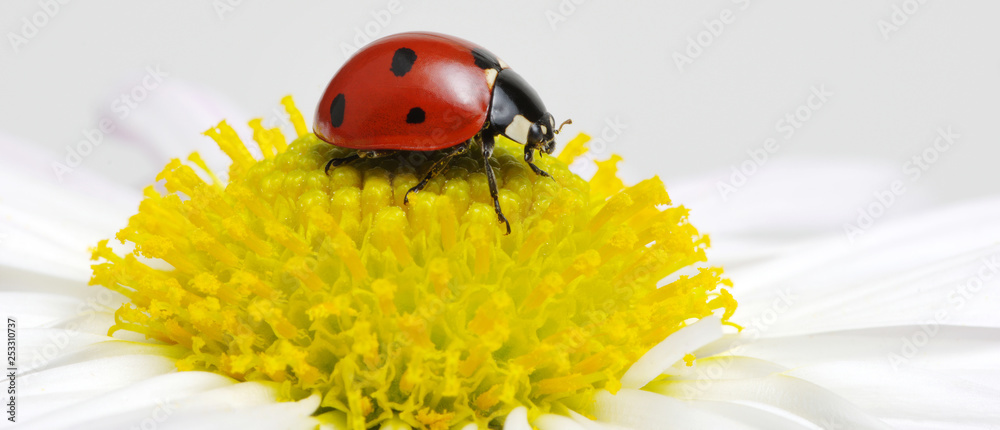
(282, 297)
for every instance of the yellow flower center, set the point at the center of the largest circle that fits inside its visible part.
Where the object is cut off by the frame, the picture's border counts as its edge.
(426, 312)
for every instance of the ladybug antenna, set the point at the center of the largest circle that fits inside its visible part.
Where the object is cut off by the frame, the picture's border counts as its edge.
(568, 121)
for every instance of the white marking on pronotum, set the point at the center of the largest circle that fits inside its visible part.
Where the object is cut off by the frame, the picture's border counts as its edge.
(518, 129)
(491, 77)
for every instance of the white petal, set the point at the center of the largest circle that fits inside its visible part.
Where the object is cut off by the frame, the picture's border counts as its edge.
(943, 233)
(517, 419)
(724, 366)
(900, 325)
(47, 243)
(38, 310)
(931, 347)
(589, 424)
(103, 373)
(937, 267)
(394, 424)
(574, 421)
(25, 164)
(67, 283)
(334, 420)
(760, 416)
(98, 350)
(169, 124)
(794, 395)
(934, 425)
(556, 422)
(706, 371)
(47, 228)
(266, 416)
(91, 314)
(909, 393)
(271, 416)
(58, 387)
(39, 348)
(940, 374)
(41, 342)
(642, 410)
(164, 389)
(672, 349)
(787, 198)
(201, 402)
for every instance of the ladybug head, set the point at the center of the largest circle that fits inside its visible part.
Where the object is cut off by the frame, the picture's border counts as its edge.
(542, 134)
(517, 112)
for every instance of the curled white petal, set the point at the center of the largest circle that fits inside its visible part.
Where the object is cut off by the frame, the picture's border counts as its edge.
(668, 352)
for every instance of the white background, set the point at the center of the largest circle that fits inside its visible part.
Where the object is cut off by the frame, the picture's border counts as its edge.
(596, 61)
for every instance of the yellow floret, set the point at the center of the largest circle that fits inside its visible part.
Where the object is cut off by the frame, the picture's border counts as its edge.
(425, 313)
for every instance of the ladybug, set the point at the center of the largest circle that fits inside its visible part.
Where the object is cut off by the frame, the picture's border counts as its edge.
(432, 92)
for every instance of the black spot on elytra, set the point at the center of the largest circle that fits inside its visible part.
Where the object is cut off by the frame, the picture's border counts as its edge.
(337, 110)
(485, 59)
(402, 61)
(416, 116)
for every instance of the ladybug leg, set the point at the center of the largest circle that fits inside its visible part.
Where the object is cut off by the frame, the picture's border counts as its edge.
(529, 157)
(339, 161)
(437, 168)
(487, 154)
(355, 156)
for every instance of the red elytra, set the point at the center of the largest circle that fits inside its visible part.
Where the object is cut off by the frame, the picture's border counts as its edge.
(444, 82)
